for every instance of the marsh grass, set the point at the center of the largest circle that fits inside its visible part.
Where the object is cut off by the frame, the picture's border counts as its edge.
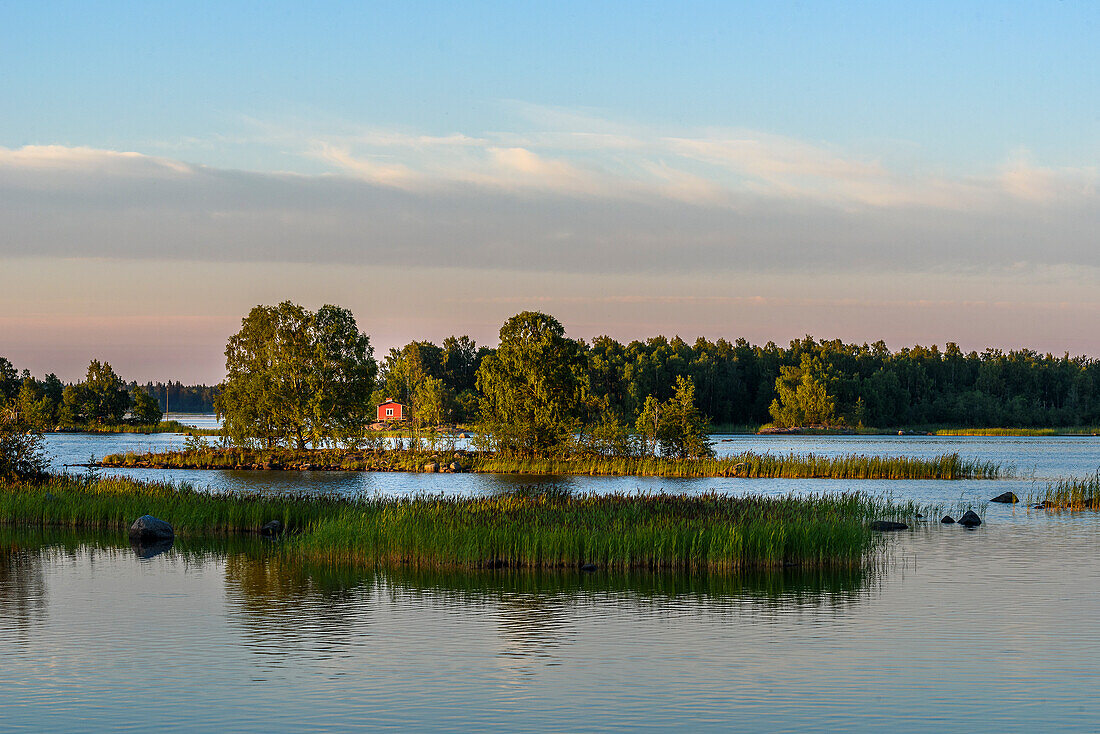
(617, 531)
(1071, 494)
(172, 426)
(1070, 431)
(746, 465)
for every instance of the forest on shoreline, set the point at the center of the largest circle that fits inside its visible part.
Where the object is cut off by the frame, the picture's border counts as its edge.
(737, 385)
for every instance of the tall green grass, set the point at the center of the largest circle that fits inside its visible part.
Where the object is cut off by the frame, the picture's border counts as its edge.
(172, 426)
(651, 532)
(793, 466)
(1072, 494)
(1068, 431)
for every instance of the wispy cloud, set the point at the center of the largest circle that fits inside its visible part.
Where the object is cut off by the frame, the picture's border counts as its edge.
(573, 194)
(578, 154)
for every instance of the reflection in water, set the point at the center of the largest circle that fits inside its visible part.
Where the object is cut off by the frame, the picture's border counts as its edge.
(284, 605)
(22, 584)
(240, 638)
(147, 549)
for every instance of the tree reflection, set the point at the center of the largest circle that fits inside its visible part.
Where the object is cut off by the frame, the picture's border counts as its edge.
(22, 585)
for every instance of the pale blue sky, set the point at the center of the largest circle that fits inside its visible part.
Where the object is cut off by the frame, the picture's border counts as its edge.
(963, 83)
(908, 171)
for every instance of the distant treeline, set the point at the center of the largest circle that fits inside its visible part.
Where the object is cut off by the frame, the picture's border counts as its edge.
(179, 398)
(809, 382)
(101, 400)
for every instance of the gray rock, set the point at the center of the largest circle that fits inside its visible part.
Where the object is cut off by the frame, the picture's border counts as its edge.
(271, 529)
(1006, 498)
(885, 525)
(947, 520)
(589, 567)
(148, 528)
(431, 467)
(970, 519)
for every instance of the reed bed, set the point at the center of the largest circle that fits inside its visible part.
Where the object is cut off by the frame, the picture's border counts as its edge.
(746, 465)
(1075, 431)
(113, 503)
(1072, 494)
(557, 530)
(172, 426)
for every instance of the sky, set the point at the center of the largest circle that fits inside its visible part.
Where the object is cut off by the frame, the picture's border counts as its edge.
(914, 172)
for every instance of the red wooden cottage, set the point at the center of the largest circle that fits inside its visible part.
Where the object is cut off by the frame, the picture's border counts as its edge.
(391, 410)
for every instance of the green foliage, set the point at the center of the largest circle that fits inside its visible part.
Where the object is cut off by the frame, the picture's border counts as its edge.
(9, 380)
(533, 386)
(648, 424)
(101, 398)
(296, 377)
(33, 407)
(803, 396)
(677, 427)
(22, 452)
(682, 429)
(145, 409)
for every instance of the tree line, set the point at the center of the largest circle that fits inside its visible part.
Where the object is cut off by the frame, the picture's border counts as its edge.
(102, 399)
(298, 377)
(810, 382)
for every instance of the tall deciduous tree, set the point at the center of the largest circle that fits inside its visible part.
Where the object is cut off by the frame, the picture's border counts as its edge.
(296, 377)
(682, 428)
(803, 399)
(533, 386)
(101, 398)
(146, 409)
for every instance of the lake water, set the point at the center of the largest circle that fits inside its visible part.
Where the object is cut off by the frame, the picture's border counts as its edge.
(977, 630)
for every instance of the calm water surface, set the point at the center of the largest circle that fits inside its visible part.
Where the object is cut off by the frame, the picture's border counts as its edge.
(987, 630)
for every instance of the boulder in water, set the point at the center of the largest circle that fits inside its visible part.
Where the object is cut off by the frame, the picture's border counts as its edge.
(885, 525)
(271, 529)
(588, 567)
(947, 520)
(1007, 498)
(970, 519)
(148, 528)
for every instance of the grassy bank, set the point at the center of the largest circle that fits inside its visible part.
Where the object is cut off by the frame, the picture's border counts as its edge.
(172, 426)
(523, 531)
(1072, 431)
(749, 465)
(768, 429)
